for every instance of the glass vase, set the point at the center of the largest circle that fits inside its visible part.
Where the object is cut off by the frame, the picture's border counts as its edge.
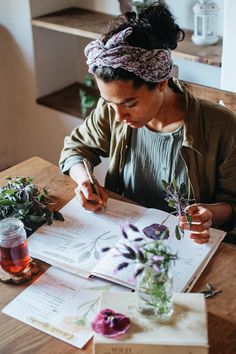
(154, 292)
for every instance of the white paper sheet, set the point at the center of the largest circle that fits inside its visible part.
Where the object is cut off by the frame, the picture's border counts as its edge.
(61, 304)
(76, 244)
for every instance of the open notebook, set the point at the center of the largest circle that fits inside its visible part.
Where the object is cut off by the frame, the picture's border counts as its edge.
(76, 244)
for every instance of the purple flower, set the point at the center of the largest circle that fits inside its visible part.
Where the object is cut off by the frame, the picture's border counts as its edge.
(110, 324)
(156, 232)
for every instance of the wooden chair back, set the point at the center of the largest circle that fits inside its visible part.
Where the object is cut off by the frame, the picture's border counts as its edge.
(213, 94)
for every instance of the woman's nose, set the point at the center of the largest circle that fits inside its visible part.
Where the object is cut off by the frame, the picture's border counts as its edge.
(120, 113)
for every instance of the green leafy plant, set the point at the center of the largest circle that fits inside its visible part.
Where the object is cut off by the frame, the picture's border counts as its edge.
(176, 198)
(87, 101)
(22, 199)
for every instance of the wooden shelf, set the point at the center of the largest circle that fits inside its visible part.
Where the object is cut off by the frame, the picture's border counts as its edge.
(76, 21)
(92, 24)
(205, 54)
(67, 100)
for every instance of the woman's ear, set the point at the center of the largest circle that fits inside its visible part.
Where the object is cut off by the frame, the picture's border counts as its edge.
(162, 85)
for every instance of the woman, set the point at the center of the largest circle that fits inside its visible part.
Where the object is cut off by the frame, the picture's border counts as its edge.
(152, 128)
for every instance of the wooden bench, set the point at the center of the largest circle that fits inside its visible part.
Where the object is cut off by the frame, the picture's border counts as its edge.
(213, 94)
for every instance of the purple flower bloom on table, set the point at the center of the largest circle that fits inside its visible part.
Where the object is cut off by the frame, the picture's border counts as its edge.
(156, 232)
(110, 324)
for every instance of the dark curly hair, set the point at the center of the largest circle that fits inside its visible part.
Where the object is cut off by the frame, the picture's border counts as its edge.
(154, 27)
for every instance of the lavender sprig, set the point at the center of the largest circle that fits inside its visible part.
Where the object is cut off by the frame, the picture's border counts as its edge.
(136, 250)
(176, 198)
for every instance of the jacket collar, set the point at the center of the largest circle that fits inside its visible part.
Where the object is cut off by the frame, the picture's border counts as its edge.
(193, 126)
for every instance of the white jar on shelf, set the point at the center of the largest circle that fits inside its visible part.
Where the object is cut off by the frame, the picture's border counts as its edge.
(205, 22)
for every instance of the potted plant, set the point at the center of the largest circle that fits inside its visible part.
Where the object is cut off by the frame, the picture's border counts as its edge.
(22, 199)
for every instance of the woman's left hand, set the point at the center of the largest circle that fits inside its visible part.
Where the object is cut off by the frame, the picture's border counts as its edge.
(201, 222)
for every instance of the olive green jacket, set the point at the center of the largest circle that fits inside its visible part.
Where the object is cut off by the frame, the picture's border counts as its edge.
(208, 149)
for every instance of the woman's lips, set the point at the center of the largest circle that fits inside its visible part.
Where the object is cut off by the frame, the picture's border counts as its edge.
(129, 122)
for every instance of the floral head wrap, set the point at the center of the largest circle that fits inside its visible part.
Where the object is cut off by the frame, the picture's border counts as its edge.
(150, 65)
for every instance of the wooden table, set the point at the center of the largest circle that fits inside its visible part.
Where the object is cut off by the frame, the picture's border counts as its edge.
(18, 338)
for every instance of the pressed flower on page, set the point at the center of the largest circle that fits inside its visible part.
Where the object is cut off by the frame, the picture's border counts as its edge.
(110, 324)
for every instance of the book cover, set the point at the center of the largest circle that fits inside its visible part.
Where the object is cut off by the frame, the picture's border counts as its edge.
(184, 333)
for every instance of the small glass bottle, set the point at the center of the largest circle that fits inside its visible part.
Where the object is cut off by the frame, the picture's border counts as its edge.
(14, 253)
(154, 291)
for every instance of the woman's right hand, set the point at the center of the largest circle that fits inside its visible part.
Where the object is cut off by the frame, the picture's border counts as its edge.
(88, 199)
(85, 192)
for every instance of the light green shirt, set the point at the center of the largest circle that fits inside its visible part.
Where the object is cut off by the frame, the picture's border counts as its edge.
(151, 158)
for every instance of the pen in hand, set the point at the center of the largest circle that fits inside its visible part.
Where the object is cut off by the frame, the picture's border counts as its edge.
(92, 179)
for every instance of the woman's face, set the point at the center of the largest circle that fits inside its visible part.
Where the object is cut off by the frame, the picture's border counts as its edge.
(133, 106)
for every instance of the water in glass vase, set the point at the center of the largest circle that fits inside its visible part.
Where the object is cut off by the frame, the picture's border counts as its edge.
(154, 292)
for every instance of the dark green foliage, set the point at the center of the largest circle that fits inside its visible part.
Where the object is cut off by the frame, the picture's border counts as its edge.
(87, 101)
(21, 199)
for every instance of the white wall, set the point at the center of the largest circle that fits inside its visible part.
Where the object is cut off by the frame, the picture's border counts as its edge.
(26, 129)
(229, 47)
(183, 13)
(17, 81)
(56, 59)
(42, 7)
(198, 73)
(107, 6)
(5, 145)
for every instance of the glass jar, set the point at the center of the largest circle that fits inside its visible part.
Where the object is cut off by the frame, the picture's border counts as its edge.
(14, 253)
(154, 292)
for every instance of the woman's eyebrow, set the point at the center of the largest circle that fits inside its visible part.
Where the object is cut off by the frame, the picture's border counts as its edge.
(127, 100)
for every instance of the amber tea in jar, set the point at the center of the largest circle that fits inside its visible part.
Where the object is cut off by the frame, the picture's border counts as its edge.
(14, 253)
